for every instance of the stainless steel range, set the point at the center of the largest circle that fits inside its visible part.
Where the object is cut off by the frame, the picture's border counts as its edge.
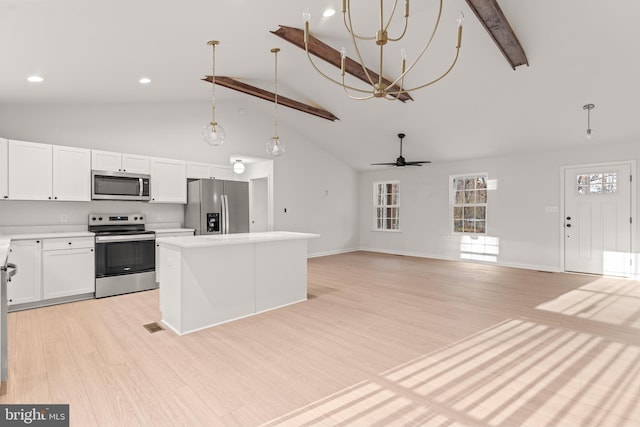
(125, 254)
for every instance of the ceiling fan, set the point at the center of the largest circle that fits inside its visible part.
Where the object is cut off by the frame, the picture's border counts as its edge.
(400, 161)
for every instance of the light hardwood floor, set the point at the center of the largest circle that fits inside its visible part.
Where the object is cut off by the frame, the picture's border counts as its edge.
(383, 340)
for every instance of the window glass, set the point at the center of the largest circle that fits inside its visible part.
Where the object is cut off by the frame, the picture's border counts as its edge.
(596, 183)
(387, 205)
(470, 203)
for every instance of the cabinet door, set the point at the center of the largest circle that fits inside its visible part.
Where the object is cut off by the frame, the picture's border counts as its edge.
(199, 170)
(223, 172)
(71, 173)
(4, 169)
(106, 161)
(30, 171)
(132, 163)
(68, 272)
(26, 285)
(168, 181)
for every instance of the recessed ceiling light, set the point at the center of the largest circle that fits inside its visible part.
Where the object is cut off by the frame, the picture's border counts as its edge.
(329, 12)
(35, 79)
(145, 80)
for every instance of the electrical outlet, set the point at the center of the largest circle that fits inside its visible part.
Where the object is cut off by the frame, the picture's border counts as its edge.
(63, 218)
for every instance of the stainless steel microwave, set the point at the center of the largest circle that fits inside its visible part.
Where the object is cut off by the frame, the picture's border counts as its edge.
(107, 185)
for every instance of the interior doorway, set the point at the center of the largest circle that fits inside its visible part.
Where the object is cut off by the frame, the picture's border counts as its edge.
(259, 205)
(597, 223)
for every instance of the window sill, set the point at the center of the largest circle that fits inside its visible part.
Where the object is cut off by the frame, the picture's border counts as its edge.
(386, 231)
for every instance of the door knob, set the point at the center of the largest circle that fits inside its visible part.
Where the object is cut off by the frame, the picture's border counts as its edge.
(569, 225)
(568, 218)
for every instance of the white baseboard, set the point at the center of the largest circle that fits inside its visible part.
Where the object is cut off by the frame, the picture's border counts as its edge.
(552, 269)
(337, 252)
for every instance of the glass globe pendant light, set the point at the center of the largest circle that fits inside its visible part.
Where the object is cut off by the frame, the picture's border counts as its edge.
(212, 132)
(275, 147)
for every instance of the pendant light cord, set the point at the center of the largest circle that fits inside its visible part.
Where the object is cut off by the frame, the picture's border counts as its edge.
(213, 82)
(275, 109)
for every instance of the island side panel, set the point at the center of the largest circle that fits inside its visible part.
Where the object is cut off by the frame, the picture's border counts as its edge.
(281, 273)
(171, 288)
(217, 285)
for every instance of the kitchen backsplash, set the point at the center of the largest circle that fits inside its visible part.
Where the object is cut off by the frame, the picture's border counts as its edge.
(73, 216)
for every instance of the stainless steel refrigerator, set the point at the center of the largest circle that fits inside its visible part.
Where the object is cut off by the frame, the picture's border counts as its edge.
(216, 206)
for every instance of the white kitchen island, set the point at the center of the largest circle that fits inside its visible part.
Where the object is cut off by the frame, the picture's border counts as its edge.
(212, 279)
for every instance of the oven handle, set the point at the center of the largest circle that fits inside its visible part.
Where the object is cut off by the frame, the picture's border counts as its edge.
(125, 238)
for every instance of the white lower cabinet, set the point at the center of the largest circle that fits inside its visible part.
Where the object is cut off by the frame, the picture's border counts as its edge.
(26, 285)
(68, 267)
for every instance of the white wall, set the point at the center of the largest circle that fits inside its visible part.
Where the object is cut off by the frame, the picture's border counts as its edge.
(301, 177)
(529, 236)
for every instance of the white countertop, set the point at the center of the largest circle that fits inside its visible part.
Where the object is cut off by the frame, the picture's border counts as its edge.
(171, 230)
(61, 234)
(233, 239)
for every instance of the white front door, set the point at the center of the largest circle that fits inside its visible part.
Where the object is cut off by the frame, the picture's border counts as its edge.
(597, 219)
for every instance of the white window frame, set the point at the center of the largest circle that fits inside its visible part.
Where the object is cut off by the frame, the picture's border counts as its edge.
(453, 204)
(376, 205)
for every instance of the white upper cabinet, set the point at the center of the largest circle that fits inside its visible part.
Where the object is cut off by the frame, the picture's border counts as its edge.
(133, 163)
(71, 173)
(4, 169)
(199, 170)
(224, 172)
(48, 172)
(119, 162)
(168, 181)
(30, 171)
(106, 161)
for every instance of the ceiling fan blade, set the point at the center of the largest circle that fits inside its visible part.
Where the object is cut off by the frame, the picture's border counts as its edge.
(417, 162)
(383, 164)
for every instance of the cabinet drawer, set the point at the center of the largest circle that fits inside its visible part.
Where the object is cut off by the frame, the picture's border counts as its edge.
(69, 243)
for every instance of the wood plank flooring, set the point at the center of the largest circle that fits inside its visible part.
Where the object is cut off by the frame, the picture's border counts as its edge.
(383, 340)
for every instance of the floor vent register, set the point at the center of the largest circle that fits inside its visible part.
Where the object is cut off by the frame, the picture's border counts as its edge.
(153, 327)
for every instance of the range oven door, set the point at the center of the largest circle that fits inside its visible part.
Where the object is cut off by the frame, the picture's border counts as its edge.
(125, 254)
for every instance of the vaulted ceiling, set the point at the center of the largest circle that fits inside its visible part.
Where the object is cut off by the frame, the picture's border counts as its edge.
(579, 52)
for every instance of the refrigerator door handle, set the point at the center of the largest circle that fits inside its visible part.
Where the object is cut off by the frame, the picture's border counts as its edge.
(223, 217)
(226, 214)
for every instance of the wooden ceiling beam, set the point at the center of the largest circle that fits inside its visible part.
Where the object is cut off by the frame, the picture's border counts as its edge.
(234, 84)
(325, 52)
(496, 24)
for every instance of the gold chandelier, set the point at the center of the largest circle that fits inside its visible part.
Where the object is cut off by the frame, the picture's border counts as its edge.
(377, 87)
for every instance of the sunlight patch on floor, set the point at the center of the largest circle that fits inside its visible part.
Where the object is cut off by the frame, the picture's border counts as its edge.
(517, 372)
(608, 300)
